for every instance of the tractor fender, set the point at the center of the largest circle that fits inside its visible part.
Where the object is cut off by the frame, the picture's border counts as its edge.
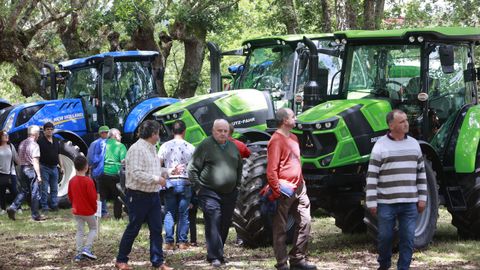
(468, 140)
(432, 155)
(74, 138)
(4, 103)
(252, 135)
(143, 110)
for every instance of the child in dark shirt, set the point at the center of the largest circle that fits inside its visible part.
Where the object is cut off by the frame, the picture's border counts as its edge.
(83, 196)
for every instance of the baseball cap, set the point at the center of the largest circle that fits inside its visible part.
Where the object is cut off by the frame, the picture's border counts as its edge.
(103, 129)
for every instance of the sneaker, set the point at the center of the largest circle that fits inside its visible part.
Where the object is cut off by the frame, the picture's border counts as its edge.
(87, 253)
(11, 213)
(39, 218)
(78, 258)
(216, 263)
(19, 211)
(3, 212)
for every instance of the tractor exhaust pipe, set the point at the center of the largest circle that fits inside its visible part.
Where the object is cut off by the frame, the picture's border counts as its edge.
(215, 75)
(53, 79)
(312, 91)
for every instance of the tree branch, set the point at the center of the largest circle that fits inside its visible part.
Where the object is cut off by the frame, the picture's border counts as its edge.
(12, 19)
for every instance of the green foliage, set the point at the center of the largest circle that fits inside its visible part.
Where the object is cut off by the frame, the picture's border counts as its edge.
(10, 91)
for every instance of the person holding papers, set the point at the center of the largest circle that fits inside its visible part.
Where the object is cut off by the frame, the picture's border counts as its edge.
(285, 179)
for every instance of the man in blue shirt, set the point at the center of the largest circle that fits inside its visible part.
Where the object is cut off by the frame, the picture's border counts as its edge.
(96, 157)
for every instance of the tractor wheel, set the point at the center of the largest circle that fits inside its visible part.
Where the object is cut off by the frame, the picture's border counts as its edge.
(253, 227)
(468, 222)
(426, 221)
(68, 152)
(350, 219)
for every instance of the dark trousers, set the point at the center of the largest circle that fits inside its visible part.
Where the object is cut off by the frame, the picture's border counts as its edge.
(109, 191)
(12, 187)
(192, 218)
(29, 185)
(142, 207)
(217, 213)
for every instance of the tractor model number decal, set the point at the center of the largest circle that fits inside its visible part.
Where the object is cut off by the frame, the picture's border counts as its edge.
(65, 118)
(243, 121)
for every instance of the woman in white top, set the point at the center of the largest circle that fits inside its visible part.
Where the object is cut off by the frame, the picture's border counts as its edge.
(8, 178)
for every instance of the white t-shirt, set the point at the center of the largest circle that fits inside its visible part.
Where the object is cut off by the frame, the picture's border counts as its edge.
(175, 152)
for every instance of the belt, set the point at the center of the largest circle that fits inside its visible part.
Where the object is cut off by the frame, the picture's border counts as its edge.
(180, 179)
(138, 192)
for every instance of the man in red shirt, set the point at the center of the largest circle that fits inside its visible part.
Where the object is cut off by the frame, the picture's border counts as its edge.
(283, 163)
(242, 148)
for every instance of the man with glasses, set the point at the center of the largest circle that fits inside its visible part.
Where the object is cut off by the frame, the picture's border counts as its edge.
(50, 167)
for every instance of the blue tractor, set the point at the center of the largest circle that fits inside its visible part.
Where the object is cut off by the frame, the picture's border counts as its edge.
(117, 89)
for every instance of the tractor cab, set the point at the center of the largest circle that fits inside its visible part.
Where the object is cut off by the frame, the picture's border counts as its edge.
(427, 74)
(116, 89)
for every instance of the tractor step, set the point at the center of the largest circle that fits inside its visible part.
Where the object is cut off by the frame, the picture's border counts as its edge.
(456, 200)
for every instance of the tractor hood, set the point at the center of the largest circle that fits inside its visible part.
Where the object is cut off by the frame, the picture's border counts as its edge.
(373, 110)
(182, 104)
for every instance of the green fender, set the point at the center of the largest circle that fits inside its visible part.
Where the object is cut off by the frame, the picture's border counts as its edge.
(467, 142)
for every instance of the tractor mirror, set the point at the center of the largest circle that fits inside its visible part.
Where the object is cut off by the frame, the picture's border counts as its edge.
(447, 58)
(108, 68)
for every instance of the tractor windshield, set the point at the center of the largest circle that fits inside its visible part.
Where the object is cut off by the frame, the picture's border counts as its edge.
(127, 84)
(278, 70)
(381, 70)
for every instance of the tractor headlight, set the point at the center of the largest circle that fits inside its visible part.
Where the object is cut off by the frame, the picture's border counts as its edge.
(175, 116)
(9, 123)
(318, 126)
(328, 124)
(299, 126)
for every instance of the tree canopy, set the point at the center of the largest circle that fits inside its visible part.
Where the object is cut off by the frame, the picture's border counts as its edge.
(34, 31)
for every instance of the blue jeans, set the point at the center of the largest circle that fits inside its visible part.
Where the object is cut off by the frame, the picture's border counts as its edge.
(407, 214)
(142, 207)
(29, 184)
(49, 180)
(177, 199)
(217, 211)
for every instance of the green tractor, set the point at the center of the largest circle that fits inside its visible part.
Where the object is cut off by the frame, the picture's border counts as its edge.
(280, 71)
(428, 73)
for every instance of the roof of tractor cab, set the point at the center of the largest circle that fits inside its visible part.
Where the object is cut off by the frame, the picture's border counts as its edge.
(277, 40)
(440, 33)
(91, 60)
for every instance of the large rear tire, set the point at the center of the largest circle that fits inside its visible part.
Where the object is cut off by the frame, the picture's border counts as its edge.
(426, 221)
(68, 152)
(468, 222)
(253, 227)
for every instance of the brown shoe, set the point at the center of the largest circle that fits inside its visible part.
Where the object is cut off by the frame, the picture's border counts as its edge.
(183, 246)
(123, 266)
(169, 246)
(163, 267)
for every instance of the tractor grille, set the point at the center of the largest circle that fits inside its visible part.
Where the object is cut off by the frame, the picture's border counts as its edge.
(315, 145)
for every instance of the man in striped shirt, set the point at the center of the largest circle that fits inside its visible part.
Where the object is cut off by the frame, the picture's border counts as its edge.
(396, 189)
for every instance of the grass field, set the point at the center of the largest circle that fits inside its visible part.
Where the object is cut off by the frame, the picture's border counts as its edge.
(50, 244)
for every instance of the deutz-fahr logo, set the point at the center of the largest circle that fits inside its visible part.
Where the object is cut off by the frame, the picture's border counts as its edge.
(243, 121)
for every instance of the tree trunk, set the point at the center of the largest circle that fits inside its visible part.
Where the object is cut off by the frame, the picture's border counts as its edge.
(351, 12)
(327, 23)
(165, 44)
(114, 41)
(71, 40)
(27, 78)
(287, 12)
(340, 14)
(143, 39)
(194, 40)
(379, 9)
(369, 14)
